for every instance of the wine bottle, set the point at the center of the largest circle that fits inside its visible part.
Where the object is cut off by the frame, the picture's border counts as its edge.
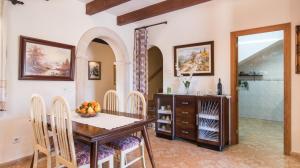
(219, 87)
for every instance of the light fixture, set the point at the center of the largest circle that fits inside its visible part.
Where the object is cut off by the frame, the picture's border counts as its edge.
(18, 2)
(15, 2)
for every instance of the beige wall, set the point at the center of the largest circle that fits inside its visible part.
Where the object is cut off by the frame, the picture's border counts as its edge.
(155, 62)
(97, 88)
(62, 21)
(215, 20)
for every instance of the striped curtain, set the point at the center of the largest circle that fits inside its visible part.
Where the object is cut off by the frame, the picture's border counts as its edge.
(140, 61)
(2, 59)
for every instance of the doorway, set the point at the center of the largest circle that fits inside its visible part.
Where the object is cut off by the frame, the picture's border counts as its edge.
(155, 76)
(101, 60)
(121, 53)
(248, 70)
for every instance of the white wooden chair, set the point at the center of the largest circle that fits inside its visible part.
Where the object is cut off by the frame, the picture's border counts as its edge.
(40, 130)
(136, 104)
(111, 101)
(69, 154)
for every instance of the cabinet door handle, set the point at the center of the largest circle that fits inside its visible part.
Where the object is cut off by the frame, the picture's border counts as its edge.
(184, 112)
(185, 132)
(185, 103)
(185, 122)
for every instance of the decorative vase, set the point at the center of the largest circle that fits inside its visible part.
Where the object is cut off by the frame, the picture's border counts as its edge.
(187, 86)
(187, 90)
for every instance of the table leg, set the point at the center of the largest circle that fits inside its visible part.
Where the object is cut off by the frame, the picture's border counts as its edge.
(31, 164)
(94, 155)
(148, 145)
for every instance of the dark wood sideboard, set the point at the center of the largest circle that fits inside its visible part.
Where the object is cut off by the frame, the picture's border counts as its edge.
(203, 120)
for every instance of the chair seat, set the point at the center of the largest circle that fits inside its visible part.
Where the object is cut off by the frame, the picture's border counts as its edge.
(125, 143)
(83, 153)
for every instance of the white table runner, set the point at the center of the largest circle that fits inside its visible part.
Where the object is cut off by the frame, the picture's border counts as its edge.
(103, 120)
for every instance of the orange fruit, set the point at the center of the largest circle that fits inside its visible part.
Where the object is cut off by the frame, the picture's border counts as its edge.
(83, 111)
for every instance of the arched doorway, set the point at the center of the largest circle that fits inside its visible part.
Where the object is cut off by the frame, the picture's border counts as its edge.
(155, 76)
(101, 70)
(122, 62)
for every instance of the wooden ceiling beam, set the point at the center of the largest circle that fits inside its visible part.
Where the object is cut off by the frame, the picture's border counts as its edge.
(97, 6)
(156, 9)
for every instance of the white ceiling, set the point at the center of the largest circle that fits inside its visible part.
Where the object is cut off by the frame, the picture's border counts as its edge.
(130, 6)
(251, 44)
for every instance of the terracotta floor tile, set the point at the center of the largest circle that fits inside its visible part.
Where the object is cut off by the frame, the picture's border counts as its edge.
(261, 146)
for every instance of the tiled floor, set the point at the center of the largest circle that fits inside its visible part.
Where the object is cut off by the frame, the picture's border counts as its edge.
(260, 147)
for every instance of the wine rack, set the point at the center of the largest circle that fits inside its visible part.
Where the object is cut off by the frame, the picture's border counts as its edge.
(212, 126)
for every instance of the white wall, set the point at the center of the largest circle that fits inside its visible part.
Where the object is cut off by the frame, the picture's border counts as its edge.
(215, 20)
(295, 18)
(97, 88)
(62, 21)
(264, 97)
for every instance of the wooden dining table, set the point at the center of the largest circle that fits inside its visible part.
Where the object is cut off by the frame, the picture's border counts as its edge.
(94, 136)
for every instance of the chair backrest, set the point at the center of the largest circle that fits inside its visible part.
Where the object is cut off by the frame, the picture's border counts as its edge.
(39, 123)
(111, 101)
(62, 132)
(136, 103)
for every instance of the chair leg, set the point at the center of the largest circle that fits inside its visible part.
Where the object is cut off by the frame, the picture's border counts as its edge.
(111, 162)
(122, 160)
(126, 161)
(142, 148)
(49, 161)
(36, 157)
(57, 164)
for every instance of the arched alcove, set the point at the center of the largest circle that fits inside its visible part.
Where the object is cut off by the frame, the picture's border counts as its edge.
(155, 75)
(122, 62)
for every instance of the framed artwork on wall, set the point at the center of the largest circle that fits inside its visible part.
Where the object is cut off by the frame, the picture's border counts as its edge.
(45, 60)
(298, 49)
(197, 58)
(94, 70)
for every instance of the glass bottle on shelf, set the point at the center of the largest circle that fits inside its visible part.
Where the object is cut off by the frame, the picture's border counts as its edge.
(219, 87)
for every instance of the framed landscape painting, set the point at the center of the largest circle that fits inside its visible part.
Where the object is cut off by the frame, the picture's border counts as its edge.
(197, 59)
(45, 60)
(94, 70)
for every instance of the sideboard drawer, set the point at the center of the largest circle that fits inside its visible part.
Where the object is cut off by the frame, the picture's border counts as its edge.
(186, 117)
(185, 123)
(184, 101)
(189, 134)
(185, 114)
(185, 111)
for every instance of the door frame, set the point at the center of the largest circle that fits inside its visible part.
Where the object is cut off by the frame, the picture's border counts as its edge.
(234, 136)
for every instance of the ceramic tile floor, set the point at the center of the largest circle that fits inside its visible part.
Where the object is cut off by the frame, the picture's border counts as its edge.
(260, 147)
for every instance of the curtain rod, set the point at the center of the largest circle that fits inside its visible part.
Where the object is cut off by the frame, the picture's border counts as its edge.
(165, 22)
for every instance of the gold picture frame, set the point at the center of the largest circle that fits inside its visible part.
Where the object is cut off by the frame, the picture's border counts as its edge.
(184, 56)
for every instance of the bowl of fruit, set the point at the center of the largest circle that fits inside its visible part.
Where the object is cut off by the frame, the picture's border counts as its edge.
(89, 109)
